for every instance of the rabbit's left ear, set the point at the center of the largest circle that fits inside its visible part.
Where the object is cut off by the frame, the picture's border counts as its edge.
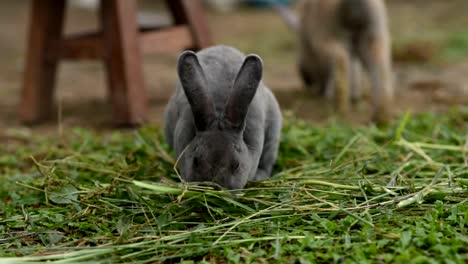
(193, 82)
(243, 91)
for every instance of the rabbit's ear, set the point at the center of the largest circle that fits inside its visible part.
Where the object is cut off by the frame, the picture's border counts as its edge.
(244, 89)
(194, 82)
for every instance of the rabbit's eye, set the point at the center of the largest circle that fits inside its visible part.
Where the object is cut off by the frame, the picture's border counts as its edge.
(195, 162)
(235, 166)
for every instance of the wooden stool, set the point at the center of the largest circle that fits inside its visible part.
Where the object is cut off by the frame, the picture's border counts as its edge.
(120, 45)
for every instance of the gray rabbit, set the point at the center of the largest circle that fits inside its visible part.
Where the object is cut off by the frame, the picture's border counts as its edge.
(222, 122)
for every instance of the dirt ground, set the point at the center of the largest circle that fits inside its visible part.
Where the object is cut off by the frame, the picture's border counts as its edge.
(426, 81)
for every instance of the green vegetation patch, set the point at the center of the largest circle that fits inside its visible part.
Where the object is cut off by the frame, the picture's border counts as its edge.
(339, 195)
(451, 47)
(456, 47)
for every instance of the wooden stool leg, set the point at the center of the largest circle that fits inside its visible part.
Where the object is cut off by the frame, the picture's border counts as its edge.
(45, 35)
(123, 61)
(191, 12)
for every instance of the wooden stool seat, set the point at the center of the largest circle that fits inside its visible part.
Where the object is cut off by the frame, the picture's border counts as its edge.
(120, 44)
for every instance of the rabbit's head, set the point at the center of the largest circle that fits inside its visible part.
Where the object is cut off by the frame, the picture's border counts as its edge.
(218, 152)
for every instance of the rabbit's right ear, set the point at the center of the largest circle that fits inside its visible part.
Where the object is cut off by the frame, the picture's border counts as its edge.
(194, 84)
(244, 89)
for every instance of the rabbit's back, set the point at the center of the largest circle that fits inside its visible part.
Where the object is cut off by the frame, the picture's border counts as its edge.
(221, 65)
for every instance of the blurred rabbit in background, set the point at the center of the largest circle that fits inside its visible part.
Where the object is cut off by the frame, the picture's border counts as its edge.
(335, 38)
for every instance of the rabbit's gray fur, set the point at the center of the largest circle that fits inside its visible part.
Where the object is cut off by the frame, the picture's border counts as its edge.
(204, 122)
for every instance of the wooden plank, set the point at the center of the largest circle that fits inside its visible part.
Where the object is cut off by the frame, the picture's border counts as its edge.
(89, 45)
(122, 55)
(44, 37)
(82, 46)
(191, 13)
(173, 39)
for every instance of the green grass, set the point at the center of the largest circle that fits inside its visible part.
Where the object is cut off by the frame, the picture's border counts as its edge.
(339, 195)
(456, 47)
(436, 48)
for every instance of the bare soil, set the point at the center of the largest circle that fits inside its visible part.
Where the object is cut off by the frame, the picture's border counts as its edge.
(423, 82)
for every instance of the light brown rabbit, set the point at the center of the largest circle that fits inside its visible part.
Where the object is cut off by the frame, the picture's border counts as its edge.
(335, 38)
